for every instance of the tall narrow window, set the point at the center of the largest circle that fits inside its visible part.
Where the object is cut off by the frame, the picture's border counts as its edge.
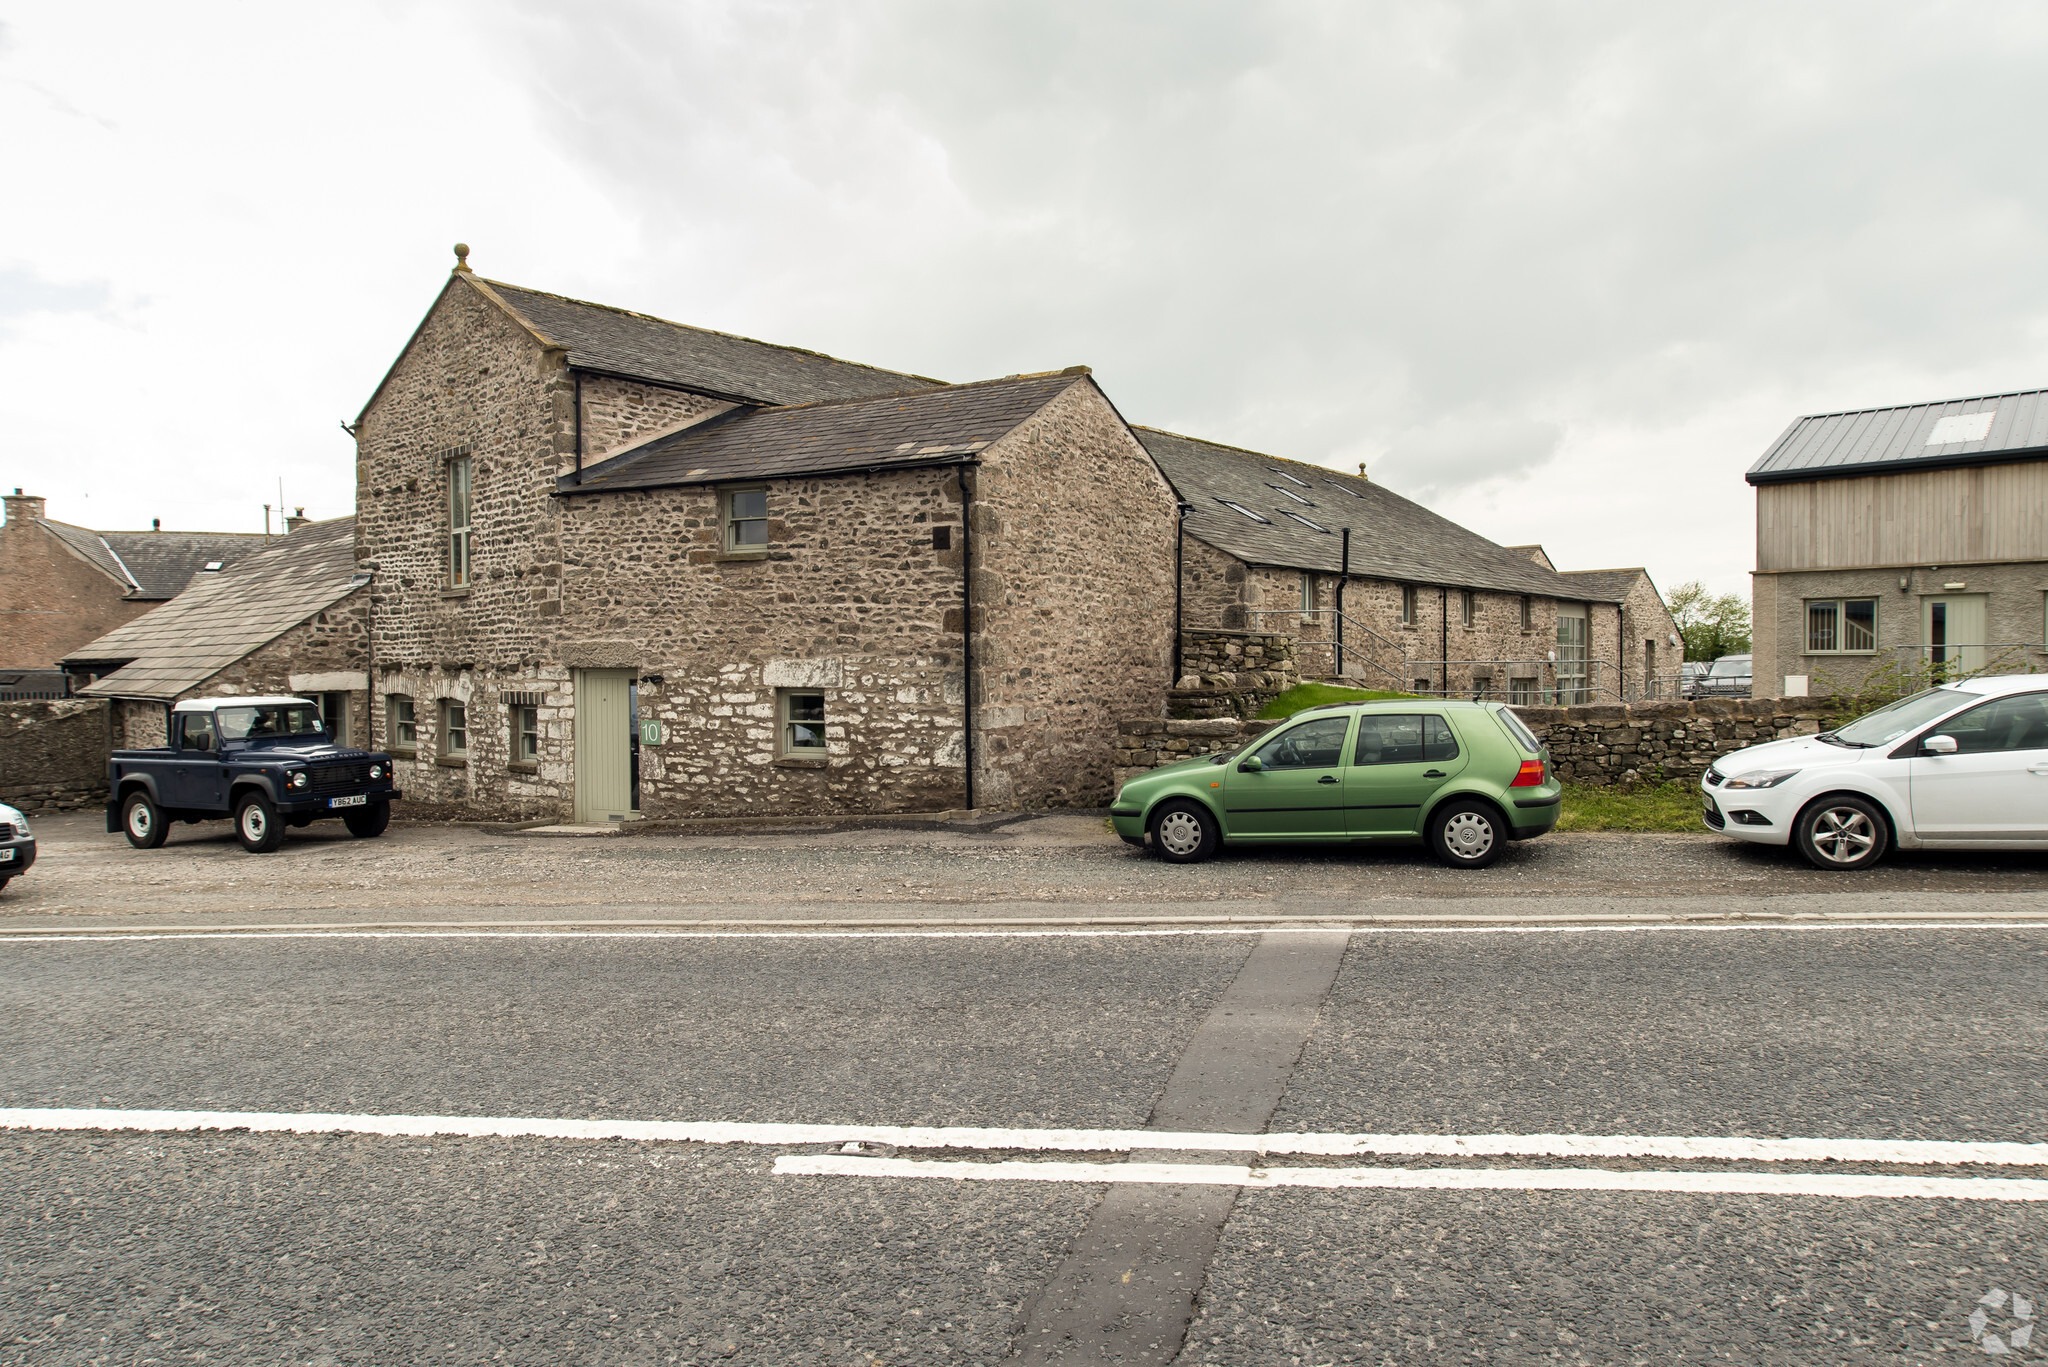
(1465, 606)
(458, 522)
(454, 730)
(401, 725)
(746, 520)
(1407, 605)
(526, 735)
(1308, 593)
(1528, 613)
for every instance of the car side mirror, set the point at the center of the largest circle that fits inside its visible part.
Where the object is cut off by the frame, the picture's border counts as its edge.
(1938, 745)
(1250, 766)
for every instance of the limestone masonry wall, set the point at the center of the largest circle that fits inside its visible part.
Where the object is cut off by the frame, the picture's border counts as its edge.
(53, 755)
(1600, 745)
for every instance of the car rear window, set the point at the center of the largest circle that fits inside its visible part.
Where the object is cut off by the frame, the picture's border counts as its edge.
(1521, 733)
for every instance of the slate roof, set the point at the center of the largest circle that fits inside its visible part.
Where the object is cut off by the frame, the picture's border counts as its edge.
(931, 427)
(1606, 585)
(1391, 538)
(621, 342)
(154, 565)
(1921, 436)
(226, 615)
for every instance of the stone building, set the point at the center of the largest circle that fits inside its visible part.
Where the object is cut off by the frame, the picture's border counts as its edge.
(1912, 540)
(1649, 634)
(61, 586)
(1422, 604)
(290, 618)
(626, 566)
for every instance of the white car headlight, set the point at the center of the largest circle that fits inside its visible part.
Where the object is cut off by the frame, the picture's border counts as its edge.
(1762, 778)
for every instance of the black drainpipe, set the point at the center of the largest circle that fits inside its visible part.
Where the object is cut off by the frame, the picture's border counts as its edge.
(1180, 531)
(579, 424)
(1443, 598)
(967, 633)
(1343, 578)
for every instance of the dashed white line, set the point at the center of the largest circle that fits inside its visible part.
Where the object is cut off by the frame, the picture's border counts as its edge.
(1736, 1148)
(1431, 1179)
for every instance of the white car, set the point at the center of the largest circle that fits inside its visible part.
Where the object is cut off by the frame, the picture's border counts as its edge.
(1960, 767)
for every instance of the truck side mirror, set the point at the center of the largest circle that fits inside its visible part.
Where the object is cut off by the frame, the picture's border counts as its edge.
(1250, 765)
(1938, 745)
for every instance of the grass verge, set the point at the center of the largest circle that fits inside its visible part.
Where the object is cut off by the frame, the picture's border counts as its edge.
(1652, 807)
(1316, 695)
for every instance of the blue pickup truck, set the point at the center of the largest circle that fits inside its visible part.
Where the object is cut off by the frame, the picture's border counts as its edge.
(265, 763)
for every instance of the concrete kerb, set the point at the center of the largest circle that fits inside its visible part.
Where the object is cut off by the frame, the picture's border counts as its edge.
(966, 820)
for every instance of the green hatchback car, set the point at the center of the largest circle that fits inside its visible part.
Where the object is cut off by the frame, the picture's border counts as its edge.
(1463, 778)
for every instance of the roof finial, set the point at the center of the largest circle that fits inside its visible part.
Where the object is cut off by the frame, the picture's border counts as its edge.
(1361, 470)
(462, 256)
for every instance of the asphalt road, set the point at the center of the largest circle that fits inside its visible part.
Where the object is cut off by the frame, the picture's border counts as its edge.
(361, 1248)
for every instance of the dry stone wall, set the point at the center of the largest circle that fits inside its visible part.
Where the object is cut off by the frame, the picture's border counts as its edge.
(53, 755)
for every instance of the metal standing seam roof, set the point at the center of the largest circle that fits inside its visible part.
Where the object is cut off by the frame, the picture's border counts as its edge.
(1872, 441)
(1391, 537)
(224, 616)
(155, 565)
(814, 439)
(640, 346)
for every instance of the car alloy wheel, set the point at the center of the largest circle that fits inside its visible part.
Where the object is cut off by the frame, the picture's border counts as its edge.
(1843, 833)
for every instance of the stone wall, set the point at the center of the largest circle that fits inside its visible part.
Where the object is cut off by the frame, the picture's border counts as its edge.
(1231, 673)
(331, 642)
(1599, 744)
(53, 755)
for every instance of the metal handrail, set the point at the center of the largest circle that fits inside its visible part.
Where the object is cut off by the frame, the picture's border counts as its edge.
(1340, 649)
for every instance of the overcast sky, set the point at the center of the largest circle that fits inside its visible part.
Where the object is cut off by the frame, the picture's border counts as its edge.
(1561, 272)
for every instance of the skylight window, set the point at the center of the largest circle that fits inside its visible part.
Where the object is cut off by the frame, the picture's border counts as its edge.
(1289, 478)
(1289, 493)
(1342, 489)
(1962, 427)
(1305, 522)
(1240, 508)
(213, 566)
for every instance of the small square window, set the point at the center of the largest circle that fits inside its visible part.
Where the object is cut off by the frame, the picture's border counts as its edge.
(526, 735)
(454, 729)
(401, 725)
(746, 520)
(803, 724)
(1841, 626)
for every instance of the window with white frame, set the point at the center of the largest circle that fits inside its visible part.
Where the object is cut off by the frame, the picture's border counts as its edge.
(803, 723)
(746, 519)
(401, 725)
(454, 729)
(1841, 626)
(458, 523)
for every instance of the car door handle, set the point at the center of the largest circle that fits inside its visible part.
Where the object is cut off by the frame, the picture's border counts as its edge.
(2038, 769)
(1432, 773)
(1328, 778)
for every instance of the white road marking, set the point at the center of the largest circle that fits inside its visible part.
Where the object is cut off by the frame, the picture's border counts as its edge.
(1430, 1179)
(1709, 1147)
(1314, 927)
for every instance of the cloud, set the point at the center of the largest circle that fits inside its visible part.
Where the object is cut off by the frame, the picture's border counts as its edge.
(23, 294)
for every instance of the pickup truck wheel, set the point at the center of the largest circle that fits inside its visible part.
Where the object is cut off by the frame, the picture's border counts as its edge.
(256, 824)
(367, 823)
(142, 821)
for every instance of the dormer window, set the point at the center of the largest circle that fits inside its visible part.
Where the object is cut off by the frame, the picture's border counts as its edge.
(1240, 508)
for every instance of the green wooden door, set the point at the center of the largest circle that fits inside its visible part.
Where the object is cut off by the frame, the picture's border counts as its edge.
(604, 744)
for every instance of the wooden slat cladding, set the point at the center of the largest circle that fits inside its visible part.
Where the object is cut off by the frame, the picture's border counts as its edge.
(1925, 517)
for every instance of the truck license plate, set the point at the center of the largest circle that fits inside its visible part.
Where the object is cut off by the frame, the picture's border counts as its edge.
(357, 801)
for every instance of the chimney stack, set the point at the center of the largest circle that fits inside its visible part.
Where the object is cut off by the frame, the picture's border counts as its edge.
(20, 505)
(156, 524)
(297, 520)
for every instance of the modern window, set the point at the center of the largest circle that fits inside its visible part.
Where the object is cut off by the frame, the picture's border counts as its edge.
(1240, 508)
(1342, 490)
(1407, 605)
(746, 520)
(1312, 526)
(1317, 744)
(401, 725)
(803, 724)
(526, 735)
(1841, 626)
(454, 730)
(458, 523)
(1467, 606)
(1289, 493)
(1572, 656)
(1404, 739)
(2017, 723)
(334, 716)
(1521, 692)
(1528, 613)
(1289, 478)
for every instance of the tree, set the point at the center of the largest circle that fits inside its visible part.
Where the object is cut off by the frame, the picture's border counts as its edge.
(1710, 626)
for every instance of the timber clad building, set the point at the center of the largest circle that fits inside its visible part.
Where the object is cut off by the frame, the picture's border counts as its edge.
(626, 566)
(1912, 537)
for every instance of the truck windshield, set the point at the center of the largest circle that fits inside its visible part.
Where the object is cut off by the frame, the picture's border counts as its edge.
(269, 722)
